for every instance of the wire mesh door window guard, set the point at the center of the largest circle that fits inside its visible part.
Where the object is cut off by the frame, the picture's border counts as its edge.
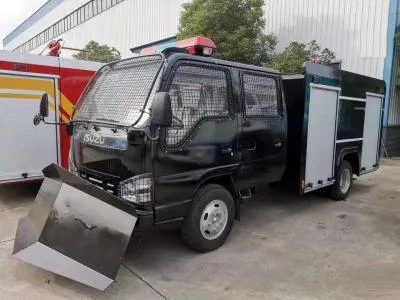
(196, 93)
(119, 91)
(260, 96)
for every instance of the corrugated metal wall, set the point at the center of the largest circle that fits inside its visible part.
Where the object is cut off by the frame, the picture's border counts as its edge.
(356, 30)
(126, 25)
(46, 20)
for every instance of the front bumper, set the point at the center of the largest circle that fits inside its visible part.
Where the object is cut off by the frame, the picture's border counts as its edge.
(145, 221)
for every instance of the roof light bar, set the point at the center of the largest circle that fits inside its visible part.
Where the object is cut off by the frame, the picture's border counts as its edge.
(198, 45)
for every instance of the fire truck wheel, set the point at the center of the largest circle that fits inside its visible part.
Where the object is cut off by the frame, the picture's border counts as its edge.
(343, 182)
(210, 219)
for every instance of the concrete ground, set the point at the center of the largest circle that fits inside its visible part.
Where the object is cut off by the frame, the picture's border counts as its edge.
(284, 247)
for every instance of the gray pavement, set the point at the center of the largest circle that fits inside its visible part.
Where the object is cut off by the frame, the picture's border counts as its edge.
(284, 247)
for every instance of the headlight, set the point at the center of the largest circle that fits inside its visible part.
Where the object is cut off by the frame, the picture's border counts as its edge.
(136, 189)
(71, 165)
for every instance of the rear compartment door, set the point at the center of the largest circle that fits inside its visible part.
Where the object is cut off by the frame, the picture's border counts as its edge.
(372, 132)
(25, 149)
(321, 136)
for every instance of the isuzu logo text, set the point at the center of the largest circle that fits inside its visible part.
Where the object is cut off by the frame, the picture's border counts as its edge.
(93, 139)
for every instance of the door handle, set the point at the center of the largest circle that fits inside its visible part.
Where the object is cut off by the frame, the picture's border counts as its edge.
(278, 144)
(253, 146)
(227, 150)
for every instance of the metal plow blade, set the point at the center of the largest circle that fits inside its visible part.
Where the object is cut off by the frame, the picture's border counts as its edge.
(75, 229)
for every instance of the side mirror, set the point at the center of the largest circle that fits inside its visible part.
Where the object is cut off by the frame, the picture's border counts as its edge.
(161, 110)
(44, 106)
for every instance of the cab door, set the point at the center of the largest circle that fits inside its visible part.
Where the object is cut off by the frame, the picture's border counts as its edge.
(202, 141)
(262, 130)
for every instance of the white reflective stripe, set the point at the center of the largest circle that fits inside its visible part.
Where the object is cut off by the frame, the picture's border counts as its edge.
(352, 98)
(348, 140)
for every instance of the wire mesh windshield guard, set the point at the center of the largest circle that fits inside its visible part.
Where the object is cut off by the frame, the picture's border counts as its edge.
(196, 93)
(119, 91)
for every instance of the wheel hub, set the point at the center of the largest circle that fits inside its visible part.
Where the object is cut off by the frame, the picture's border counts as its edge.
(213, 219)
(345, 180)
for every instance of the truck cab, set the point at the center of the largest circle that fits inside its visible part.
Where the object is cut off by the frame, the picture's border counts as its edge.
(226, 135)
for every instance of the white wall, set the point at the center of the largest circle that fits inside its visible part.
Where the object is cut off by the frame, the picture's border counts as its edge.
(356, 30)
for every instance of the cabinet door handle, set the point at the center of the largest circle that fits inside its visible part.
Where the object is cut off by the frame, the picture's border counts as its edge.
(226, 150)
(278, 144)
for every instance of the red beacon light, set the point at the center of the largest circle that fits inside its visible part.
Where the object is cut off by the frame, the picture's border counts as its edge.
(198, 45)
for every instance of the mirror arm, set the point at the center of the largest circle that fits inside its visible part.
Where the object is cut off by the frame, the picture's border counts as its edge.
(54, 123)
(148, 134)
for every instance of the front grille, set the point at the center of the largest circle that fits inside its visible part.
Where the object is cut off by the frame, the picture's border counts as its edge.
(107, 182)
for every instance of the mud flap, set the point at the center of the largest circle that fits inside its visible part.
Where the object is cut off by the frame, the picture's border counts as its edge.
(75, 229)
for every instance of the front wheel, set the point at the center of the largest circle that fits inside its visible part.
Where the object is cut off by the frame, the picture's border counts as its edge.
(210, 220)
(344, 181)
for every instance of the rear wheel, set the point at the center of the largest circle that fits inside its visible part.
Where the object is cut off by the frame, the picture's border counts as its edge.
(343, 181)
(210, 219)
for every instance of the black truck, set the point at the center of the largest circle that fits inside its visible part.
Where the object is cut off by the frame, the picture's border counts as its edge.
(181, 140)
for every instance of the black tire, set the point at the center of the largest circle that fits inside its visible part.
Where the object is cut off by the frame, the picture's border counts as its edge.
(191, 233)
(335, 192)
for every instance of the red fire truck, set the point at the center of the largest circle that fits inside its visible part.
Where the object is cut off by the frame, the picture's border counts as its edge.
(24, 78)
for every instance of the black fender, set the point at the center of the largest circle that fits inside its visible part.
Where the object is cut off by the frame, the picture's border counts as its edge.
(182, 187)
(228, 182)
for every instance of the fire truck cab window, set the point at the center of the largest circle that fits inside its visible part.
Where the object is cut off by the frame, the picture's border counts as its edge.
(196, 93)
(260, 96)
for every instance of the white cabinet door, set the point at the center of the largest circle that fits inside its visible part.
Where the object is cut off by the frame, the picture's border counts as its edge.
(372, 132)
(321, 137)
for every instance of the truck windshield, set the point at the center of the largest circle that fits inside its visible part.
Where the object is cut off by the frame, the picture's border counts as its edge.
(119, 91)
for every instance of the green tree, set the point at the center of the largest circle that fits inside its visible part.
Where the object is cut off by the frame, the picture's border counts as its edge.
(95, 52)
(292, 59)
(236, 26)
